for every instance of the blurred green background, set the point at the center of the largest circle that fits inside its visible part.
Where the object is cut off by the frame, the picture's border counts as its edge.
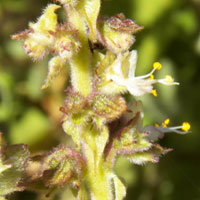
(171, 36)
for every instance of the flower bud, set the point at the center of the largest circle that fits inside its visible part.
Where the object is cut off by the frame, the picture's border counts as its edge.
(65, 43)
(116, 33)
(39, 38)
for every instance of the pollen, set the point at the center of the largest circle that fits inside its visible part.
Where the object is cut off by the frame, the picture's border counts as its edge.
(169, 79)
(185, 126)
(157, 66)
(154, 93)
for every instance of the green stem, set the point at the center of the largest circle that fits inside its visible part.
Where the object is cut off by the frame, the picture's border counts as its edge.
(95, 181)
(81, 72)
(81, 69)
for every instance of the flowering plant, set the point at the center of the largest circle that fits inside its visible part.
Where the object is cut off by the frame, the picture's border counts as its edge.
(102, 69)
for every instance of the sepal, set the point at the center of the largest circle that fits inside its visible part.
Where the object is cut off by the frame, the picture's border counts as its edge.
(152, 155)
(115, 33)
(130, 140)
(62, 166)
(109, 108)
(97, 110)
(74, 102)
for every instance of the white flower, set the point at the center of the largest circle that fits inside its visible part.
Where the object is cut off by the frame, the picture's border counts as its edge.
(122, 72)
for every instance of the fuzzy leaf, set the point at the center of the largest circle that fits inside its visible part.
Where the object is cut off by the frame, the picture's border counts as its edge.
(48, 21)
(90, 10)
(110, 108)
(60, 176)
(62, 165)
(16, 156)
(151, 155)
(55, 66)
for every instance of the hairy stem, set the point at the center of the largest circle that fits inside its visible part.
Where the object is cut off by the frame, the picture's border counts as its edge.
(81, 69)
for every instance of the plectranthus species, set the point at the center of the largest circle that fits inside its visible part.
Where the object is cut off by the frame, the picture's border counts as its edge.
(102, 70)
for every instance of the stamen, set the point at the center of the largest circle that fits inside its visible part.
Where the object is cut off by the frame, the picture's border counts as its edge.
(167, 121)
(157, 66)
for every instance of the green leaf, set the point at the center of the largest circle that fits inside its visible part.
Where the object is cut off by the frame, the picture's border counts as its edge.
(16, 156)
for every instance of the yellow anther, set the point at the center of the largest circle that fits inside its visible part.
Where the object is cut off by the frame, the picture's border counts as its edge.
(167, 121)
(169, 79)
(151, 77)
(185, 126)
(156, 125)
(157, 66)
(164, 125)
(154, 93)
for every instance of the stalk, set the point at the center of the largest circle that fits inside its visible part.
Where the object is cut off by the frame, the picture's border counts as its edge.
(81, 69)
